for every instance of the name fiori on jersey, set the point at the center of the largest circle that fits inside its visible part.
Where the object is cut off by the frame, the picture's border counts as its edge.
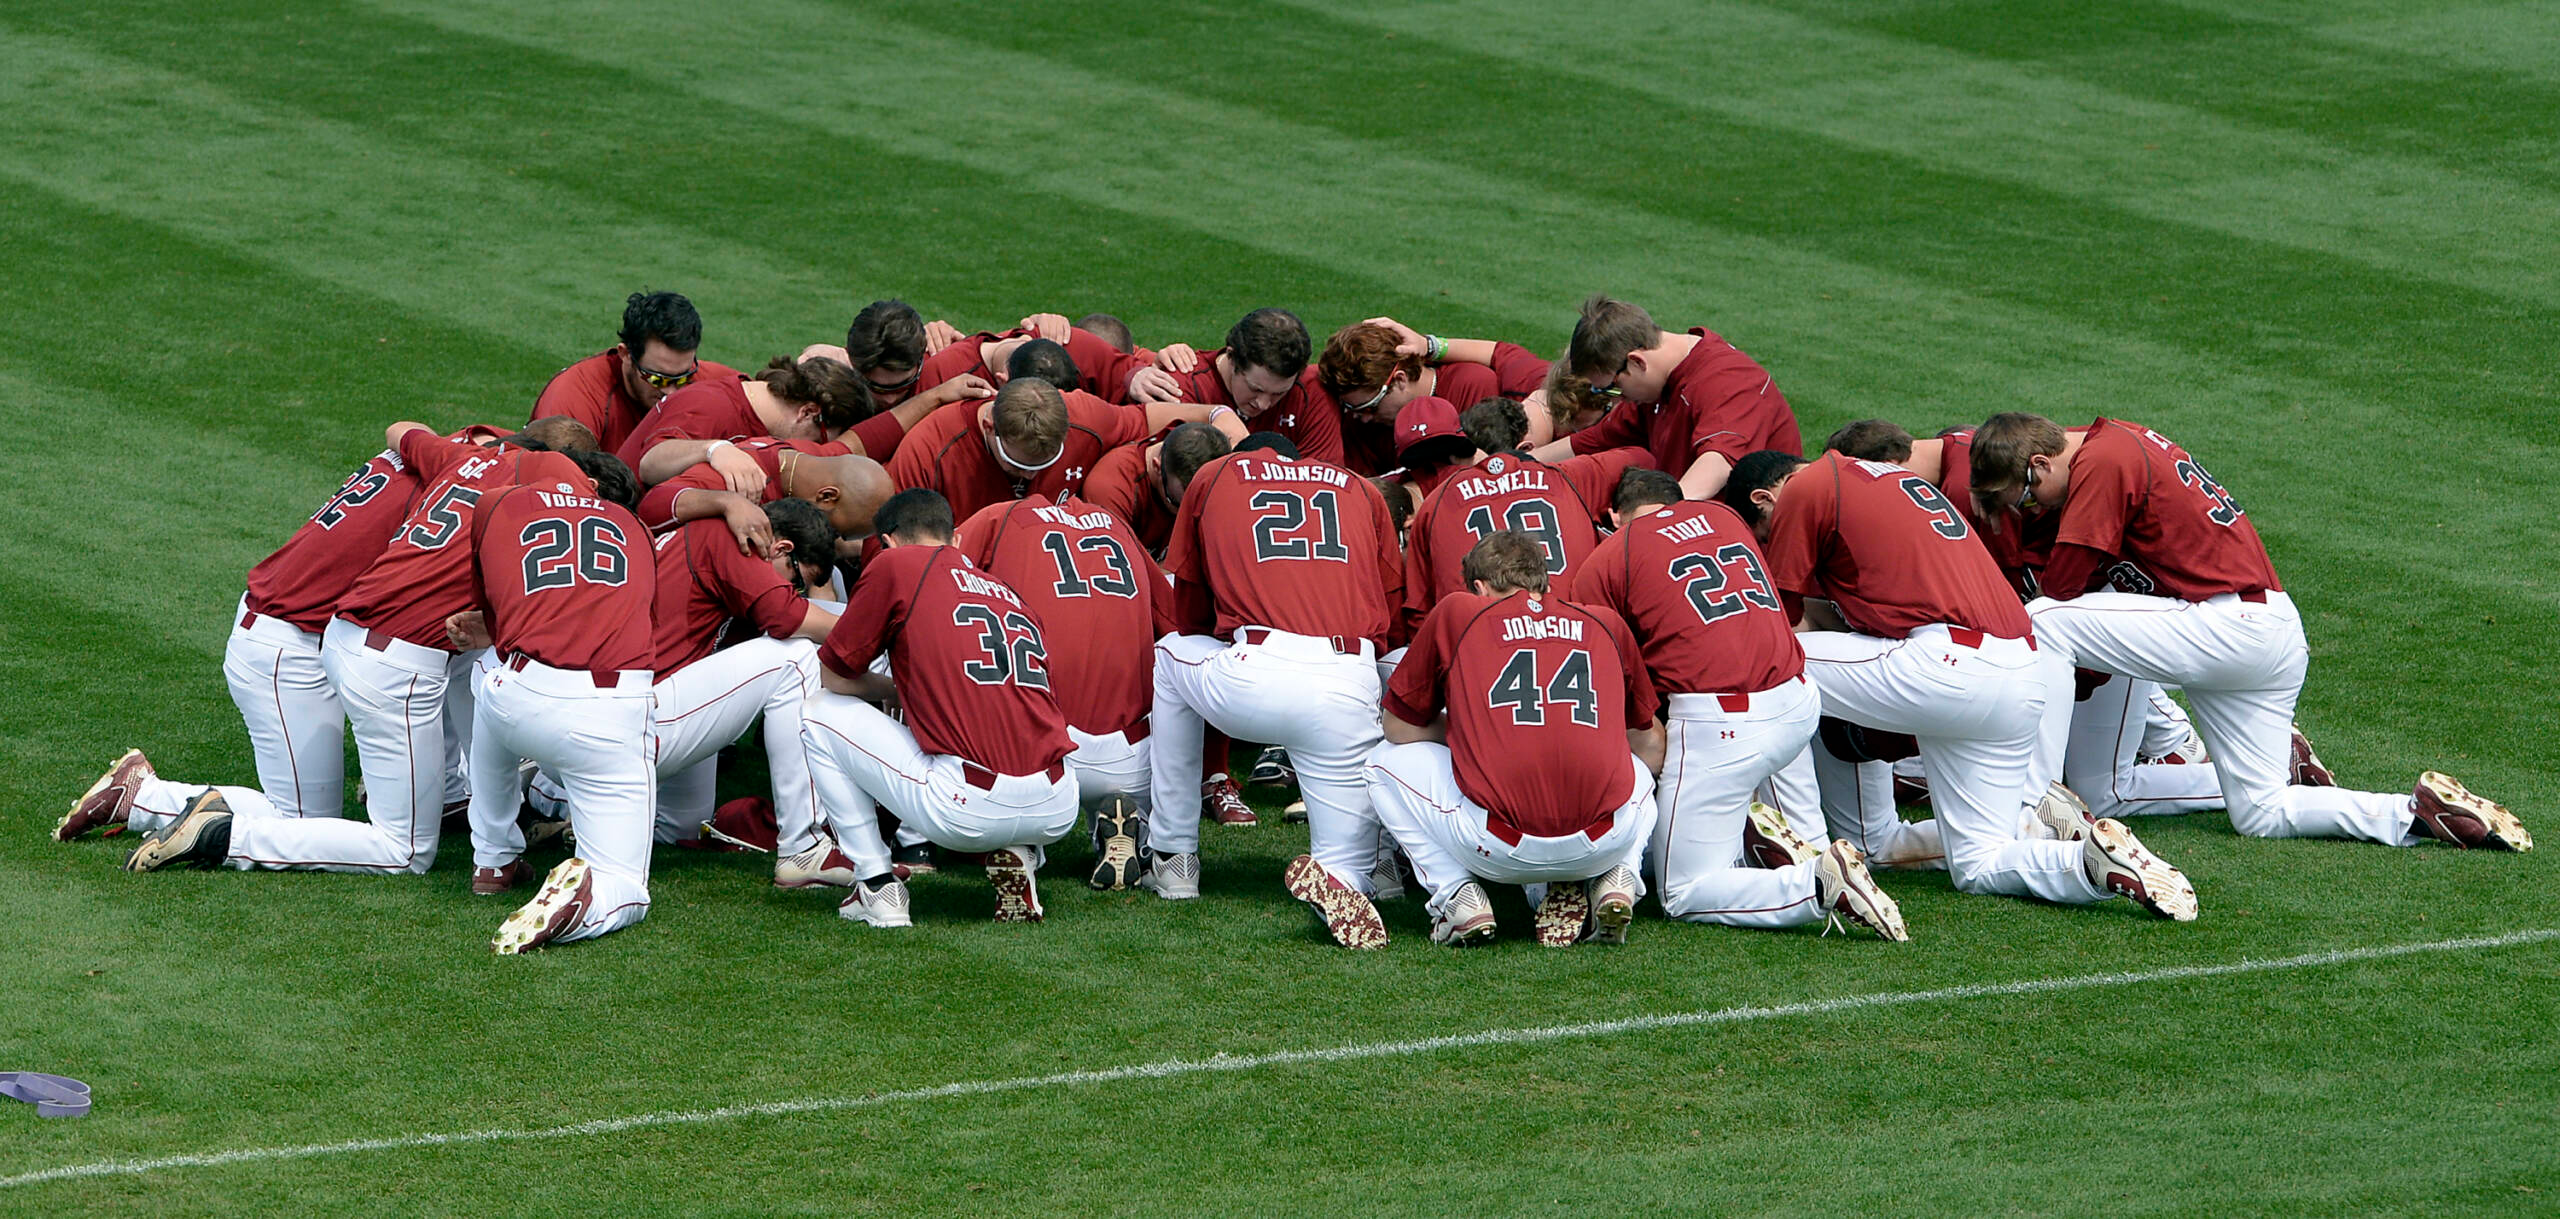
(971, 582)
(1689, 530)
(1060, 516)
(1548, 627)
(1278, 472)
(1517, 480)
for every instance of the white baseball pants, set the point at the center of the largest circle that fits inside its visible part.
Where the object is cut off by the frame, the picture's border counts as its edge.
(292, 713)
(394, 694)
(858, 755)
(1294, 691)
(1858, 804)
(705, 705)
(595, 740)
(1414, 789)
(2241, 663)
(2104, 761)
(1976, 708)
(1719, 749)
(1111, 765)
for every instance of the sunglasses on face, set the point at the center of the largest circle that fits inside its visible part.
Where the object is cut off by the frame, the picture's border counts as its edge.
(668, 380)
(1371, 404)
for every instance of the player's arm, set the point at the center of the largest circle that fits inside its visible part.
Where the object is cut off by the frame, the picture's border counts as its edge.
(391, 435)
(746, 519)
(1706, 475)
(817, 624)
(1647, 744)
(1401, 731)
(2073, 570)
(668, 458)
(1818, 614)
(965, 387)
(1162, 415)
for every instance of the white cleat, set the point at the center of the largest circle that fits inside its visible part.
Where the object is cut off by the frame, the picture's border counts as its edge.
(1844, 889)
(1175, 878)
(1465, 920)
(885, 906)
(2118, 862)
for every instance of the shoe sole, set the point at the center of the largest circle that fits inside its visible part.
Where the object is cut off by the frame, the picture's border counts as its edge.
(1017, 893)
(189, 840)
(2152, 883)
(1473, 935)
(1562, 915)
(2307, 770)
(712, 833)
(1116, 832)
(2500, 831)
(1765, 830)
(1865, 904)
(74, 825)
(1348, 914)
(552, 911)
(852, 910)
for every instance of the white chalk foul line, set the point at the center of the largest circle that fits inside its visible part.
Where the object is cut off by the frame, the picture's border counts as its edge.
(1250, 1062)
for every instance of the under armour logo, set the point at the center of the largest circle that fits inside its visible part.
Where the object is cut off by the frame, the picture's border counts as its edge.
(1730, 734)
(1288, 421)
(1075, 474)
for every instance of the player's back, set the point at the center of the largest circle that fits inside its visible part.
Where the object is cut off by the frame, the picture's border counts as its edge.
(970, 661)
(424, 575)
(1093, 590)
(1886, 546)
(1294, 545)
(2137, 494)
(1691, 581)
(304, 579)
(1502, 491)
(1537, 705)
(567, 578)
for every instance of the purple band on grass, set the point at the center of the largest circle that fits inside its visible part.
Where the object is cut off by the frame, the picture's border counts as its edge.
(52, 1095)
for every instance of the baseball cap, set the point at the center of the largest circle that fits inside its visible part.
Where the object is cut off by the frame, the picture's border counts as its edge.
(1425, 419)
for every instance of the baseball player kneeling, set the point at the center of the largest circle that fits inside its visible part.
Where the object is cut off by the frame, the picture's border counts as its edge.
(980, 763)
(1534, 775)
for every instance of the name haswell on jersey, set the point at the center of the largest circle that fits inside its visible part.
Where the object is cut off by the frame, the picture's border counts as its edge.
(1277, 472)
(1534, 625)
(1526, 478)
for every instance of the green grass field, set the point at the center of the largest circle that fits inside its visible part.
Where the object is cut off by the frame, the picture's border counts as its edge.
(2313, 242)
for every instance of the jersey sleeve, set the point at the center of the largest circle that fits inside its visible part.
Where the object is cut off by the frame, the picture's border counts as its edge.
(1102, 367)
(1518, 370)
(941, 366)
(877, 437)
(1419, 555)
(1419, 688)
(432, 456)
(574, 395)
(1594, 476)
(915, 464)
(1804, 511)
(658, 504)
(1600, 580)
(1319, 426)
(1733, 427)
(1113, 485)
(2104, 494)
(749, 587)
(977, 536)
(1623, 425)
(862, 630)
(1391, 579)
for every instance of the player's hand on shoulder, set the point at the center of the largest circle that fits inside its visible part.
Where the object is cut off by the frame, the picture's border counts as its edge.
(1154, 385)
(1051, 326)
(1178, 357)
(748, 523)
(966, 386)
(939, 334)
(739, 471)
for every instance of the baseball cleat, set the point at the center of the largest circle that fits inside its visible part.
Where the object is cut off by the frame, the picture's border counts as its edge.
(1175, 878)
(1465, 917)
(1012, 873)
(546, 832)
(1910, 789)
(2449, 812)
(199, 837)
(2192, 751)
(885, 906)
(912, 860)
(820, 863)
(1347, 912)
(1561, 915)
(493, 882)
(1844, 889)
(1118, 829)
(745, 824)
(1769, 842)
(1225, 804)
(2307, 770)
(1272, 769)
(2064, 816)
(1386, 880)
(554, 912)
(1613, 905)
(1295, 813)
(2118, 862)
(109, 801)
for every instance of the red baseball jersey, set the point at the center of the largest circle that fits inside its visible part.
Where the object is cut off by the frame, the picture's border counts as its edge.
(1560, 505)
(1306, 414)
(564, 577)
(658, 504)
(1886, 546)
(304, 579)
(424, 575)
(1717, 401)
(1369, 446)
(1101, 369)
(703, 582)
(1086, 580)
(1539, 694)
(592, 392)
(1121, 485)
(971, 664)
(948, 453)
(1298, 546)
(716, 410)
(1691, 581)
(2136, 494)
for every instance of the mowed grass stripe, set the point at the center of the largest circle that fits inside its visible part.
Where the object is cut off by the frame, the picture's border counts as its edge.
(2109, 141)
(2473, 117)
(778, 229)
(1226, 1064)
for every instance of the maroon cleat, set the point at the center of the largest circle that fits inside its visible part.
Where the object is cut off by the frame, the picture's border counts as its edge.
(1225, 805)
(2307, 770)
(2449, 812)
(497, 882)
(109, 801)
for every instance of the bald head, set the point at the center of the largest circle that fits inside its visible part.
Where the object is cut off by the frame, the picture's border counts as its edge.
(848, 489)
(561, 434)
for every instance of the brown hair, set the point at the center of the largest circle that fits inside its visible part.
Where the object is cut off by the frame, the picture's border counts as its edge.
(1030, 420)
(1496, 425)
(842, 397)
(1606, 332)
(1569, 394)
(561, 434)
(1871, 440)
(2002, 445)
(1509, 561)
(1361, 357)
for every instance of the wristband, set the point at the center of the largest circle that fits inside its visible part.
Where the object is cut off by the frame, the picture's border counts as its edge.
(1214, 410)
(715, 447)
(1436, 348)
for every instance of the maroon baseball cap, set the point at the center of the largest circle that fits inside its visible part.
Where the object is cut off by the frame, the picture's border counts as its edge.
(1425, 419)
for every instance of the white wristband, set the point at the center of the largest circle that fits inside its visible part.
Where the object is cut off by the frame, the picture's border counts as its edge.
(1222, 407)
(716, 446)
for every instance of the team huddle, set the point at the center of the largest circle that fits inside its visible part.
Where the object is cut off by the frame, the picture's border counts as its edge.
(1594, 627)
